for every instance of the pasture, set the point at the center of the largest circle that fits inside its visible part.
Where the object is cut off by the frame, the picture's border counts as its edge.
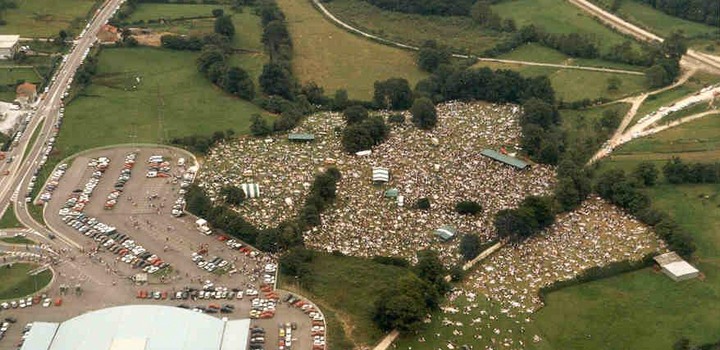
(336, 59)
(45, 18)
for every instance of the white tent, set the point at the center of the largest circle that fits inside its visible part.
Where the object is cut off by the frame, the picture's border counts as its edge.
(380, 174)
(675, 267)
(251, 190)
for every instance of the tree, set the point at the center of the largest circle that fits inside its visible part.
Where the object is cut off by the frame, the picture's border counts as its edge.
(340, 101)
(224, 26)
(481, 12)
(217, 12)
(238, 82)
(422, 203)
(646, 173)
(430, 56)
(469, 246)
(675, 171)
(468, 207)
(232, 195)
(394, 93)
(363, 135)
(429, 268)
(614, 83)
(541, 208)
(514, 223)
(314, 93)
(536, 111)
(259, 126)
(275, 79)
(424, 114)
(295, 262)
(403, 305)
(355, 114)
(209, 56)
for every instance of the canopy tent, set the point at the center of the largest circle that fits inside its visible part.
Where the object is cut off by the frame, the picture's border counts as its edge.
(251, 190)
(675, 267)
(380, 174)
(512, 161)
(392, 193)
(445, 233)
(301, 137)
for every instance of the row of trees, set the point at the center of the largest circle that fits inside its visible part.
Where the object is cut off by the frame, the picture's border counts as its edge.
(426, 7)
(362, 132)
(542, 140)
(534, 214)
(201, 143)
(703, 11)
(677, 172)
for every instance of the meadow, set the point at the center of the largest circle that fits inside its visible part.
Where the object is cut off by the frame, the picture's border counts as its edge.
(336, 59)
(8, 219)
(45, 18)
(17, 282)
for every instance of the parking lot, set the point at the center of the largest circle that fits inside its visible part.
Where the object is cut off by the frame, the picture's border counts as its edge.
(141, 216)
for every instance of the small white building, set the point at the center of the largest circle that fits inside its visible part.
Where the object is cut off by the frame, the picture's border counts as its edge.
(8, 46)
(675, 267)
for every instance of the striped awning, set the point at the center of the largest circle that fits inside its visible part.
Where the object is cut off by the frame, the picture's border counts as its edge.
(251, 190)
(380, 174)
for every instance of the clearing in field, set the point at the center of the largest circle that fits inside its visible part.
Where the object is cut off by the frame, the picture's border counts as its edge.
(132, 101)
(495, 304)
(363, 222)
(336, 59)
(17, 283)
(45, 18)
(574, 85)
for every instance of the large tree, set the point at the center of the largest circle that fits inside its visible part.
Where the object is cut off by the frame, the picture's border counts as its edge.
(394, 93)
(224, 26)
(424, 114)
(275, 79)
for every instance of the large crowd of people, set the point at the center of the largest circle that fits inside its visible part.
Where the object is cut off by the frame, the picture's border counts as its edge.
(443, 164)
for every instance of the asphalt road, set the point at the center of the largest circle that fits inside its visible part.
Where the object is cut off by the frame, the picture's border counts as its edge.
(14, 185)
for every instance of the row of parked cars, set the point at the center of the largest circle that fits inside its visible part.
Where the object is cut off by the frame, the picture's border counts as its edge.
(79, 198)
(318, 321)
(52, 183)
(158, 167)
(285, 336)
(116, 242)
(185, 181)
(46, 153)
(210, 309)
(123, 178)
(209, 264)
(43, 300)
(257, 338)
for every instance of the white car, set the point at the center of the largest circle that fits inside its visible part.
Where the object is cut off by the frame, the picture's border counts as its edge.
(46, 302)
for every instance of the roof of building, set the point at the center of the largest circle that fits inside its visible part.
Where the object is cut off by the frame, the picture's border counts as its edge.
(301, 137)
(380, 174)
(140, 327)
(667, 258)
(675, 265)
(251, 190)
(445, 232)
(504, 158)
(26, 89)
(8, 41)
(393, 192)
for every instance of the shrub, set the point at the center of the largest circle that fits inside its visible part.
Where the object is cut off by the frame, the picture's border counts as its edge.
(468, 208)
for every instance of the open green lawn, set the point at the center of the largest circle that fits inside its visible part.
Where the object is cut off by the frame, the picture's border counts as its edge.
(8, 219)
(535, 52)
(154, 11)
(336, 59)
(584, 130)
(10, 76)
(645, 309)
(458, 32)
(172, 99)
(45, 18)
(702, 135)
(557, 16)
(348, 287)
(17, 282)
(17, 240)
(573, 84)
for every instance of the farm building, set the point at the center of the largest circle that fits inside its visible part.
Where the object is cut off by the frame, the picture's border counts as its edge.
(251, 190)
(380, 174)
(8, 46)
(445, 233)
(301, 137)
(675, 267)
(512, 161)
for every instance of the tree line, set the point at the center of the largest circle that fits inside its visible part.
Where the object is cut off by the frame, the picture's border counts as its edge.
(677, 171)
(703, 11)
(426, 7)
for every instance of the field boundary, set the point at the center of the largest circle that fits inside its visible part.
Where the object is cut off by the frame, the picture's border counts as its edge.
(353, 30)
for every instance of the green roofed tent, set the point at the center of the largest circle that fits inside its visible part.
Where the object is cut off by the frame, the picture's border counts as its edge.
(512, 161)
(301, 137)
(445, 233)
(391, 193)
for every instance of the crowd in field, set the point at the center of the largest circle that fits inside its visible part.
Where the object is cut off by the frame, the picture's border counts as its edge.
(596, 234)
(443, 164)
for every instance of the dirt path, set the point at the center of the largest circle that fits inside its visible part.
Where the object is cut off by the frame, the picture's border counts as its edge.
(318, 5)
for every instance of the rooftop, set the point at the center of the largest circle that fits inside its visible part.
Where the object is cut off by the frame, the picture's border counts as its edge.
(8, 41)
(505, 159)
(140, 327)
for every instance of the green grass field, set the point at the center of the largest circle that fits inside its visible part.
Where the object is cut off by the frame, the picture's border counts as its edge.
(17, 240)
(646, 309)
(583, 128)
(45, 18)
(17, 283)
(172, 99)
(10, 76)
(152, 11)
(336, 59)
(699, 136)
(348, 287)
(458, 32)
(8, 219)
(573, 84)
(557, 16)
